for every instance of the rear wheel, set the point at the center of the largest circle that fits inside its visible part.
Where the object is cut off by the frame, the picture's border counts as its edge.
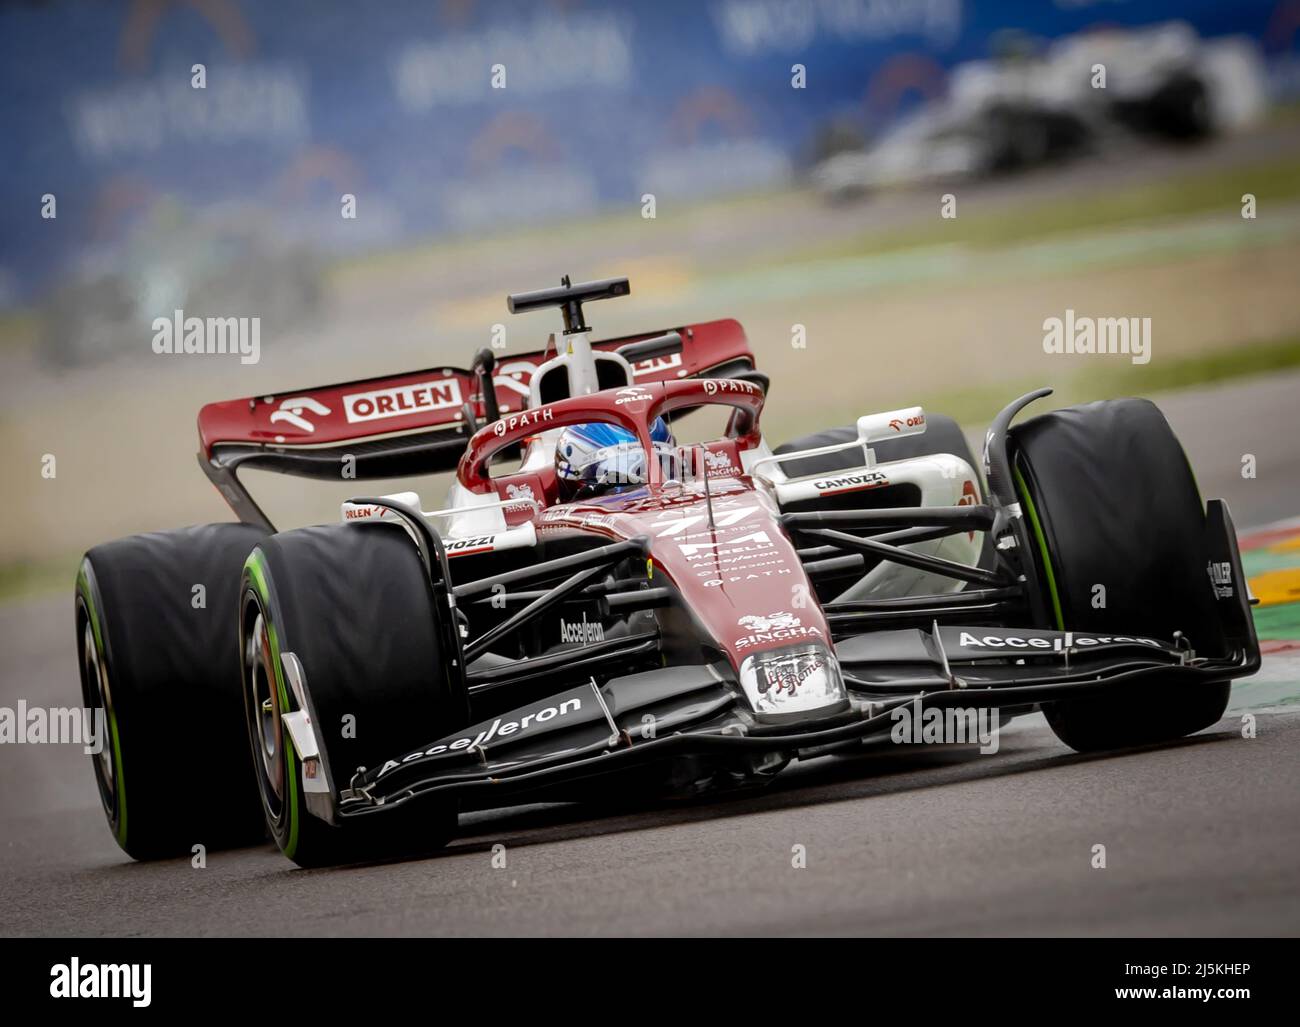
(1119, 528)
(351, 603)
(159, 654)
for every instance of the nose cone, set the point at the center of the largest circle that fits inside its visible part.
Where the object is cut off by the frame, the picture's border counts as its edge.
(745, 587)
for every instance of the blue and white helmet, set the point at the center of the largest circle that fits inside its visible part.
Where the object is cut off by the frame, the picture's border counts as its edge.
(601, 457)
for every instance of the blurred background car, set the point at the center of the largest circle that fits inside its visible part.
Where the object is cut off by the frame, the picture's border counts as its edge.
(1164, 80)
(224, 264)
(1022, 110)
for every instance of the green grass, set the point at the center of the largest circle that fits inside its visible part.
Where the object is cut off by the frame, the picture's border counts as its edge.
(979, 405)
(19, 330)
(1271, 182)
(23, 579)
(1218, 365)
(976, 406)
(610, 226)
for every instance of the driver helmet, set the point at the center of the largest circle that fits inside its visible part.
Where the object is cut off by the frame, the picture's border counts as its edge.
(599, 458)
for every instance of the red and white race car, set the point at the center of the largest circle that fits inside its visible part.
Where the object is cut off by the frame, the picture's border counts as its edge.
(644, 614)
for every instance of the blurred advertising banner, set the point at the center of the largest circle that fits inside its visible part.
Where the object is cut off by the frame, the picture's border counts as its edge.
(464, 116)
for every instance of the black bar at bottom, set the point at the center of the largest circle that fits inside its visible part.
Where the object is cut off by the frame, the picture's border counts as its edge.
(1232, 978)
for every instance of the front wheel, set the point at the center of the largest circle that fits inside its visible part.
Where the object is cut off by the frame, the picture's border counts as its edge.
(351, 606)
(1120, 546)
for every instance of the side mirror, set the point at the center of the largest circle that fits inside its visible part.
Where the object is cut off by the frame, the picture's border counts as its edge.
(352, 511)
(890, 425)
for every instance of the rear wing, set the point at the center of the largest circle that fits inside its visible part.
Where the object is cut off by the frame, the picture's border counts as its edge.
(413, 423)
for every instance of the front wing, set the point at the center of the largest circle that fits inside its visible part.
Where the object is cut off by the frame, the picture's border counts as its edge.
(633, 720)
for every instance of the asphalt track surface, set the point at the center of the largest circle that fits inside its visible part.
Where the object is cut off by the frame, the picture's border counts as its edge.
(1200, 837)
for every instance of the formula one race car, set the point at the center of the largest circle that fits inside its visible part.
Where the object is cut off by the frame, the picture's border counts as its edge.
(598, 608)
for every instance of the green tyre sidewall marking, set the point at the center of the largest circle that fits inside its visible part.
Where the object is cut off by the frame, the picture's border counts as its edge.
(1037, 528)
(89, 596)
(259, 575)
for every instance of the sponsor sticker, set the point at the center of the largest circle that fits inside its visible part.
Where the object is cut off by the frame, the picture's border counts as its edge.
(523, 419)
(1221, 578)
(754, 540)
(1000, 641)
(717, 463)
(633, 394)
(968, 498)
(295, 409)
(750, 574)
(714, 386)
(792, 680)
(581, 632)
(401, 400)
(899, 423)
(563, 517)
(850, 483)
(788, 675)
(517, 726)
(774, 627)
(471, 544)
(352, 512)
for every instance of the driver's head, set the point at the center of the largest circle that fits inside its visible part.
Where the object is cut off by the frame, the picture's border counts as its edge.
(598, 458)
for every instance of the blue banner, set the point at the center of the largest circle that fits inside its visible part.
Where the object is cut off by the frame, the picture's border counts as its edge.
(459, 116)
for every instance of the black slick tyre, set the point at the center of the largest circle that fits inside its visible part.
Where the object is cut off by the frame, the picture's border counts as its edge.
(1120, 546)
(158, 650)
(352, 604)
